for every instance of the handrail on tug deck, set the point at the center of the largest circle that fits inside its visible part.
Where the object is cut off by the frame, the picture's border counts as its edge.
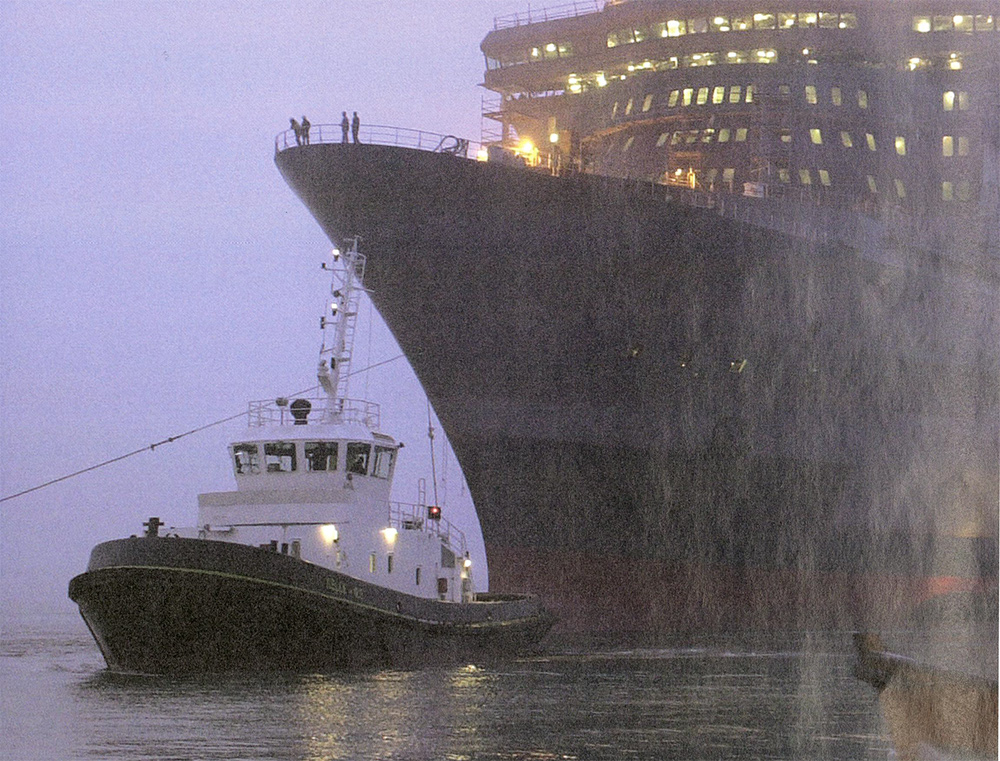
(380, 134)
(267, 412)
(403, 516)
(407, 516)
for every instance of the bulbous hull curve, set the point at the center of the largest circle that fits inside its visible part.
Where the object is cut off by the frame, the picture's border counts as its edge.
(629, 382)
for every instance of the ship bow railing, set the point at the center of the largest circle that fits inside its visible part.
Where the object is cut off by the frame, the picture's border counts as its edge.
(380, 134)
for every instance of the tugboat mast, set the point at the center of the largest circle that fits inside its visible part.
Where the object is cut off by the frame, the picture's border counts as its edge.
(338, 324)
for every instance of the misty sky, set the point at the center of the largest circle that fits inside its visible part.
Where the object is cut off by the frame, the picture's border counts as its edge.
(157, 272)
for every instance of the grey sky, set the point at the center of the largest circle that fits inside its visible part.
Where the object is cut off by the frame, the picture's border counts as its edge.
(157, 272)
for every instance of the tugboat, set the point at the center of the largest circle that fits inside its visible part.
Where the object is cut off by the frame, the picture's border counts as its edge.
(307, 565)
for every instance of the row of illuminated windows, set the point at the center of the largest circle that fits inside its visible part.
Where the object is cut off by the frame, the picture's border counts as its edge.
(717, 95)
(545, 52)
(728, 176)
(737, 94)
(950, 191)
(742, 23)
(577, 83)
(691, 136)
(952, 61)
(319, 456)
(552, 50)
(681, 27)
(959, 22)
(951, 145)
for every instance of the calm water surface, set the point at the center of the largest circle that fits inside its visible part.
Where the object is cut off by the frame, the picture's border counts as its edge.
(720, 699)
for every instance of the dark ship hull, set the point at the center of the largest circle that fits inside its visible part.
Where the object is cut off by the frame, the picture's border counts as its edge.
(672, 420)
(170, 605)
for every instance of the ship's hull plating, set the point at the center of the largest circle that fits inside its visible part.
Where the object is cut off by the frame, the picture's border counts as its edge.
(706, 422)
(168, 605)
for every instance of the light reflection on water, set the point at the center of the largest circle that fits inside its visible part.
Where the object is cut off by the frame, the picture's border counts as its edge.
(747, 699)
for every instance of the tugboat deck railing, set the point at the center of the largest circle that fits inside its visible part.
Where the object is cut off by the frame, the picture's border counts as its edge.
(406, 516)
(322, 410)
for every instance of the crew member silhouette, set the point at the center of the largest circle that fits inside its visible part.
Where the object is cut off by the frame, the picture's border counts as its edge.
(345, 126)
(305, 131)
(355, 126)
(297, 130)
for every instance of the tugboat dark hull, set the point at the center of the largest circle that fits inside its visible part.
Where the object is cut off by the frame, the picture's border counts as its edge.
(170, 605)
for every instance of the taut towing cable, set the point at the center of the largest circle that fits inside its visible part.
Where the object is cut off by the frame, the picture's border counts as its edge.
(169, 440)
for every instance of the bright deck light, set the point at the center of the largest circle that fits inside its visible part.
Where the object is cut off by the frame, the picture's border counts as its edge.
(389, 534)
(329, 533)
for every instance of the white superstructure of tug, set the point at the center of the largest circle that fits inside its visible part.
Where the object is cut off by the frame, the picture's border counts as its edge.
(314, 476)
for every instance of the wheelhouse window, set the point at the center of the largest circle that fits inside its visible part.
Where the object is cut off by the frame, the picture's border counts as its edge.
(246, 459)
(321, 455)
(384, 457)
(358, 454)
(279, 457)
